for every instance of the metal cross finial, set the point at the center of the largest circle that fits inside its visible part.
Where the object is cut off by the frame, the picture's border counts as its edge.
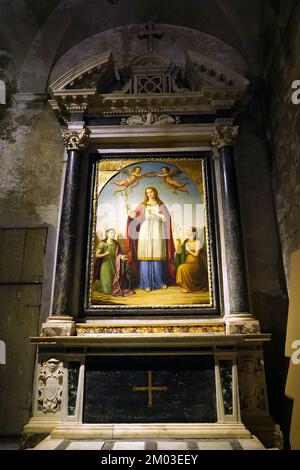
(149, 34)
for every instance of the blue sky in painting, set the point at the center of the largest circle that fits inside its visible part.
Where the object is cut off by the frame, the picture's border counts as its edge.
(186, 208)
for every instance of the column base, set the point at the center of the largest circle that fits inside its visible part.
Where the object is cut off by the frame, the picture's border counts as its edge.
(59, 326)
(241, 324)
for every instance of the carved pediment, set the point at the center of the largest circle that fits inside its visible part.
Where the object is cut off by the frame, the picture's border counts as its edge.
(204, 71)
(92, 73)
(152, 73)
(151, 83)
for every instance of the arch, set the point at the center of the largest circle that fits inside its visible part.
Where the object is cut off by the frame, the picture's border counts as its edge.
(27, 28)
(47, 35)
(200, 15)
(39, 59)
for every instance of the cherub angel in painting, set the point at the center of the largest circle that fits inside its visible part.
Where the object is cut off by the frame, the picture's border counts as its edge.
(134, 176)
(168, 176)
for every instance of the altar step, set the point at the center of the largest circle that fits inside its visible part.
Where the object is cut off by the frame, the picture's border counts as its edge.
(150, 445)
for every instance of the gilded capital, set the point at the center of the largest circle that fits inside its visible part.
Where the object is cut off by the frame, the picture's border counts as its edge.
(224, 136)
(76, 140)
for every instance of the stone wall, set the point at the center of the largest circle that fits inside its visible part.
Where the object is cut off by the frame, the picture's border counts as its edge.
(30, 165)
(266, 280)
(282, 37)
(31, 154)
(280, 52)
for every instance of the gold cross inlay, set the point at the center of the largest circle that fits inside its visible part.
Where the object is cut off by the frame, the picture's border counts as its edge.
(150, 389)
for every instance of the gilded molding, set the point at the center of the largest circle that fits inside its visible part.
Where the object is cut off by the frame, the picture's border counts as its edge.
(106, 168)
(224, 136)
(76, 140)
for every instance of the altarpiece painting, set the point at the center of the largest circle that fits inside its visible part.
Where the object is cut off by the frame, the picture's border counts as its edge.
(151, 235)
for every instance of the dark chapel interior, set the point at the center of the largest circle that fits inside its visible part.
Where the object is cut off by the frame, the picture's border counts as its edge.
(68, 66)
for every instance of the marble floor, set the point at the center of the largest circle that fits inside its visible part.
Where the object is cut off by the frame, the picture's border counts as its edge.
(184, 445)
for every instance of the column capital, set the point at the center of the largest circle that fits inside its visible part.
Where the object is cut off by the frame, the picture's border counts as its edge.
(76, 139)
(224, 136)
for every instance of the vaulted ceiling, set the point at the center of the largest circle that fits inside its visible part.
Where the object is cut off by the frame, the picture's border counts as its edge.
(38, 32)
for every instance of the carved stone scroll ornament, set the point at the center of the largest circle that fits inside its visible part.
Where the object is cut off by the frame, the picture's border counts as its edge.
(224, 136)
(76, 140)
(150, 119)
(251, 383)
(50, 384)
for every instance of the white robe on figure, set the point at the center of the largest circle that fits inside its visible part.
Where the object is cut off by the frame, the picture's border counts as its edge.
(151, 241)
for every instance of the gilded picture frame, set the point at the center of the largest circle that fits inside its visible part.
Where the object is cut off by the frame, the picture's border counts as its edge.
(151, 245)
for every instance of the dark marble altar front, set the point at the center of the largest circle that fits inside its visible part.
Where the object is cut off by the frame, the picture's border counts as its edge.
(187, 395)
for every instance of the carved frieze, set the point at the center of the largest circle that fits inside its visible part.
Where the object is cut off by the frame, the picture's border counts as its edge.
(150, 119)
(76, 140)
(50, 384)
(76, 107)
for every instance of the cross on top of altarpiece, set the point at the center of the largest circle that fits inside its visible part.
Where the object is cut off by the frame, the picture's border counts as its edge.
(150, 389)
(149, 34)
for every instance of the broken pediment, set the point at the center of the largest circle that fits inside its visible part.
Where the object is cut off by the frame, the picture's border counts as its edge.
(151, 82)
(92, 73)
(202, 70)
